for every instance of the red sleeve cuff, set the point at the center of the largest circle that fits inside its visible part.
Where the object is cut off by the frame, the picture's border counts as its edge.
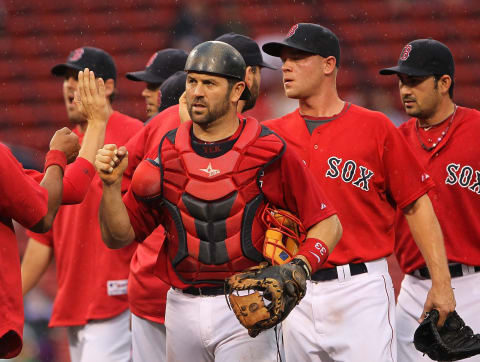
(55, 157)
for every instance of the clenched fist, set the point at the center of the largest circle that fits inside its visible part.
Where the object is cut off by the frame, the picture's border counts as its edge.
(66, 141)
(110, 163)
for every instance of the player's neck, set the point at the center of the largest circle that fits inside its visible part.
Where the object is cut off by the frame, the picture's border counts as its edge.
(445, 109)
(219, 129)
(323, 104)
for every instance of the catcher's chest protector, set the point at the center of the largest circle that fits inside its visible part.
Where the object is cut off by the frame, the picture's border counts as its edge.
(211, 203)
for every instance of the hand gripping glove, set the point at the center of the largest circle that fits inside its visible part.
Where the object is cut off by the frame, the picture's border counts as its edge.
(452, 342)
(263, 296)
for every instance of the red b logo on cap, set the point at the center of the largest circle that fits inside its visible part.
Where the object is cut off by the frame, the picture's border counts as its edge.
(151, 60)
(76, 54)
(292, 30)
(405, 52)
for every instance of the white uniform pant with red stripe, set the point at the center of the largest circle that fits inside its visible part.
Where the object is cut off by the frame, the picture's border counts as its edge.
(349, 319)
(411, 299)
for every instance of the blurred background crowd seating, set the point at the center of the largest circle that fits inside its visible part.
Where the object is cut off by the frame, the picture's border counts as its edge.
(35, 35)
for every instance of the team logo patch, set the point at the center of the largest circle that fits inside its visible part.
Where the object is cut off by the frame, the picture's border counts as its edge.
(76, 55)
(405, 52)
(151, 60)
(210, 170)
(292, 30)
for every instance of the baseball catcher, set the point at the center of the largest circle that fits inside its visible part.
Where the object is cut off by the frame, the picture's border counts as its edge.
(452, 342)
(263, 296)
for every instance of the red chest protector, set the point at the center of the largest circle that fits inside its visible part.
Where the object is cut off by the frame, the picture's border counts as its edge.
(211, 204)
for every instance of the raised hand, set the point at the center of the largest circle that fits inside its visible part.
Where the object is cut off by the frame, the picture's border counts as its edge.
(66, 141)
(90, 97)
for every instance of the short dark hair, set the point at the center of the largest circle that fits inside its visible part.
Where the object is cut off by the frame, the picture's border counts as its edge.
(232, 82)
(450, 90)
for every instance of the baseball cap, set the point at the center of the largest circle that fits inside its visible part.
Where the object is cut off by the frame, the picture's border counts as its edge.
(172, 89)
(92, 58)
(311, 38)
(423, 57)
(160, 66)
(248, 48)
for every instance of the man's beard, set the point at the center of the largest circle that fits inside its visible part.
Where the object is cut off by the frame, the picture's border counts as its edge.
(211, 115)
(252, 99)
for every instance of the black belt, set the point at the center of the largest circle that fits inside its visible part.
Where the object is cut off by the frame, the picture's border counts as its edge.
(208, 291)
(455, 271)
(323, 275)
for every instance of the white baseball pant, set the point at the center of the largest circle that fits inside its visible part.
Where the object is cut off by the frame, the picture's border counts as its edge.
(106, 340)
(148, 340)
(348, 319)
(203, 328)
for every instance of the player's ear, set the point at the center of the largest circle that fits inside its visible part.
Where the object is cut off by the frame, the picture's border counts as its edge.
(329, 65)
(444, 83)
(249, 76)
(237, 91)
(109, 87)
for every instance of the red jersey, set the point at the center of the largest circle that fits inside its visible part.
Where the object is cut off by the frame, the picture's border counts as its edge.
(92, 279)
(366, 168)
(147, 294)
(454, 165)
(286, 183)
(24, 201)
(76, 180)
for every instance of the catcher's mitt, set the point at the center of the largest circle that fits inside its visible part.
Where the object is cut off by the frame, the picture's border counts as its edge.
(283, 237)
(283, 286)
(452, 342)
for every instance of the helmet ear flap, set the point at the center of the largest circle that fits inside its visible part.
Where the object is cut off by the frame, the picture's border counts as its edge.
(284, 235)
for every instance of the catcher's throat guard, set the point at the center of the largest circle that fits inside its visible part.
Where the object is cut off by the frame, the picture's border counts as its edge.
(283, 237)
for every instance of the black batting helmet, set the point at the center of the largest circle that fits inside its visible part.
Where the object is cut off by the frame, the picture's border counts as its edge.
(218, 58)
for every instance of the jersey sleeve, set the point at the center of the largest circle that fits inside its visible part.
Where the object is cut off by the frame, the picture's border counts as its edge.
(136, 150)
(288, 183)
(142, 218)
(76, 181)
(23, 199)
(405, 178)
(45, 238)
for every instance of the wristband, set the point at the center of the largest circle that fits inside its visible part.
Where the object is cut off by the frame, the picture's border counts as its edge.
(303, 265)
(55, 157)
(315, 251)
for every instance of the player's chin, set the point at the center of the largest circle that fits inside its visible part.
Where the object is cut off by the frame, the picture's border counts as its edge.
(292, 93)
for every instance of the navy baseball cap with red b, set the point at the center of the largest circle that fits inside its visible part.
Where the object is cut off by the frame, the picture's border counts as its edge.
(160, 66)
(92, 58)
(310, 38)
(247, 47)
(423, 57)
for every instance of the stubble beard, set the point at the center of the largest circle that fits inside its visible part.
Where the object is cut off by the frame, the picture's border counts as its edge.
(211, 114)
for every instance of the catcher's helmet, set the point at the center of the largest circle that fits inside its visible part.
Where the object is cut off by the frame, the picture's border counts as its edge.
(218, 58)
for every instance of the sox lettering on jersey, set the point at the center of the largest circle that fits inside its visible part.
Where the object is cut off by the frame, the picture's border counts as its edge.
(348, 172)
(463, 176)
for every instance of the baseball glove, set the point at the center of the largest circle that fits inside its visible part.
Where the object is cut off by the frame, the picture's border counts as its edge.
(263, 296)
(283, 237)
(452, 342)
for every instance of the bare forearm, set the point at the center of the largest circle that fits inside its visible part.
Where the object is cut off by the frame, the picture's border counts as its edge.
(115, 226)
(427, 233)
(92, 141)
(53, 183)
(35, 262)
(328, 231)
